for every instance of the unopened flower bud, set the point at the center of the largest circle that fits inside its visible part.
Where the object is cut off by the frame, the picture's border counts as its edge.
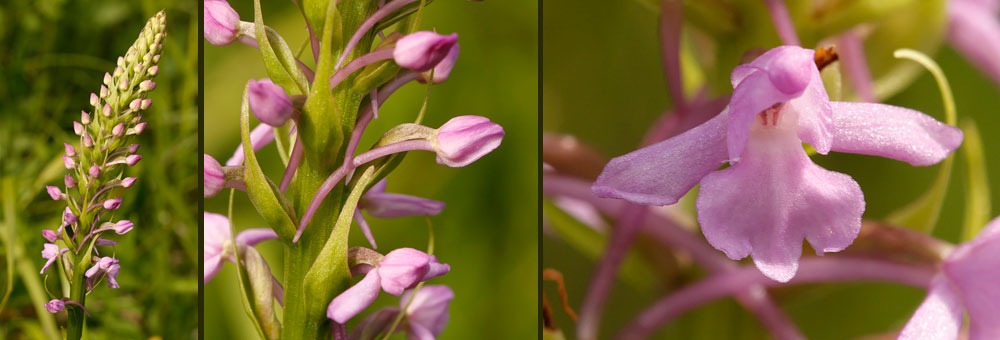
(54, 306)
(464, 139)
(146, 103)
(77, 128)
(132, 148)
(94, 171)
(107, 79)
(122, 227)
(118, 129)
(137, 129)
(147, 84)
(132, 159)
(118, 72)
(123, 85)
(68, 162)
(50, 235)
(54, 192)
(93, 98)
(84, 117)
(104, 93)
(70, 151)
(106, 111)
(153, 70)
(443, 69)
(69, 181)
(135, 104)
(68, 217)
(121, 61)
(421, 51)
(215, 178)
(112, 204)
(221, 21)
(87, 141)
(269, 102)
(128, 181)
(156, 58)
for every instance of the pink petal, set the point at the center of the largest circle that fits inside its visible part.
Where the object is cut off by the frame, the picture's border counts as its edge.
(260, 136)
(661, 173)
(972, 269)
(974, 31)
(755, 93)
(429, 308)
(252, 237)
(939, 317)
(815, 115)
(355, 299)
(766, 204)
(892, 132)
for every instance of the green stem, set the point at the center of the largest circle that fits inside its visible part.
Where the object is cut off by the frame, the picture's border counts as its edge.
(78, 293)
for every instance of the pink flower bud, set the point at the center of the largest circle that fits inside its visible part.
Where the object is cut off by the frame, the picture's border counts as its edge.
(77, 128)
(464, 139)
(215, 179)
(221, 21)
(135, 104)
(152, 71)
(122, 227)
(106, 111)
(128, 181)
(93, 99)
(107, 79)
(94, 171)
(146, 103)
(104, 93)
(68, 162)
(402, 269)
(70, 151)
(133, 148)
(54, 192)
(84, 117)
(147, 84)
(132, 159)
(139, 128)
(87, 141)
(69, 181)
(421, 51)
(443, 68)
(118, 130)
(269, 102)
(50, 235)
(123, 85)
(54, 306)
(112, 204)
(68, 217)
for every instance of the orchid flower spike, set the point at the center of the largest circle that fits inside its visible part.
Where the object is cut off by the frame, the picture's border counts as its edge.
(221, 22)
(399, 270)
(218, 247)
(464, 139)
(421, 51)
(772, 196)
(269, 102)
(967, 280)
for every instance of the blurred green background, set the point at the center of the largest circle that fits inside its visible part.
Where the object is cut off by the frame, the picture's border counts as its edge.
(487, 232)
(602, 82)
(54, 54)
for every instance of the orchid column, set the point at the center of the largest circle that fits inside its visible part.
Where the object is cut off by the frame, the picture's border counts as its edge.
(97, 166)
(317, 118)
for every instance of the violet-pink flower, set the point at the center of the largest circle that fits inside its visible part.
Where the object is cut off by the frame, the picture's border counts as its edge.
(464, 139)
(54, 192)
(427, 314)
(772, 196)
(421, 51)
(221, 22)
(269, 102)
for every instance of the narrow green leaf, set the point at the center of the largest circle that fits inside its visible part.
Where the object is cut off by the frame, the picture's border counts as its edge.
(259, 276)
(315, 13)
(923, 213)
(320, 124)
(264, 195)
(280, 62)
(591, 244)
(242, 275)
(977, 186)
(329, 274)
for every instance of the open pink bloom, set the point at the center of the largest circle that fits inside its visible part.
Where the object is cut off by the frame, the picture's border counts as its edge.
(772, 196)
(51, 252)
(218, 246)
(968, 278)
(428, 313)
(974, 31)
(401, 269)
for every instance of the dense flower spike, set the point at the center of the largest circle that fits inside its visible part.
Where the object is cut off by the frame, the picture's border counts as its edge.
(105, 150)
(772, 196)
(269, 102)
(967, 280)
(399, 270)
(221, 22)
(421, 51)
(464, 139)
